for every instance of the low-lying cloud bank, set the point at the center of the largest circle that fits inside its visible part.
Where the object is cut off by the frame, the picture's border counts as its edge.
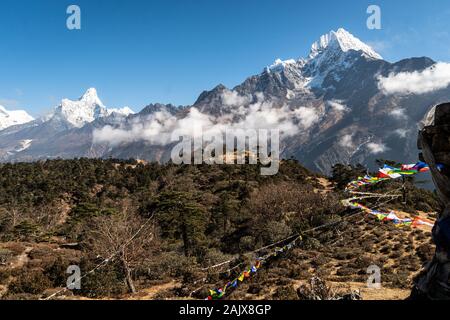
(377, 148)
(431, 79)
(157, 128)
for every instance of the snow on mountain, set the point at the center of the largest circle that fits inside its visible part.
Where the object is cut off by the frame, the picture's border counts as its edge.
(126, 111)
(341, 40)
(14, 117)
(333, 53)
(24, 144)
(86, 109)
(280, 65)
(340, 112)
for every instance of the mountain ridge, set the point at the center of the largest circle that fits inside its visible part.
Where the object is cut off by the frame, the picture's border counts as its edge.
(330, 108)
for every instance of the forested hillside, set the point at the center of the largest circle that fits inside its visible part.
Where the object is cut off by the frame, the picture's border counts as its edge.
(155, 229)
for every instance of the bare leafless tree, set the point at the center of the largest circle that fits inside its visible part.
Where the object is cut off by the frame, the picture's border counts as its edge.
(10, 216)
(125, 236)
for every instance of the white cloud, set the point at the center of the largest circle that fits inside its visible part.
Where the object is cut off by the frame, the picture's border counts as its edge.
(338, 105)
(232, 98)
(431, 79)
(399, 114)
(260, 96)
(402, 133)
(151, 129)
(346, 141)
(376, 148)
(306, 116)
(157, 128)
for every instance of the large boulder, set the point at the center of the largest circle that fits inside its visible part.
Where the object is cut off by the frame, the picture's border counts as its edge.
(434, 141)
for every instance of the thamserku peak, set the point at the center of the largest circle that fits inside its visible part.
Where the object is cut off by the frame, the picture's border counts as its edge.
(344, 41)
(332, 43)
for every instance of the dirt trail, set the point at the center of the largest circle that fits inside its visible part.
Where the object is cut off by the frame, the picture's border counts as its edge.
(152, 292)
(65, 209)
(374, 294)
(3, 290)
(19, 262)
(326, 184)
(22, 259)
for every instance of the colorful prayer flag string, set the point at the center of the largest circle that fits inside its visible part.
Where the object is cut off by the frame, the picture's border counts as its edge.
(217, 294)
(387, 173)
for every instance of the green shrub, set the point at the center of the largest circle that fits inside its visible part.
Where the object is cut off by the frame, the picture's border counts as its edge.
(105, 281)
(5, 255)
(285, 293)
(168, 264)
(29, 281)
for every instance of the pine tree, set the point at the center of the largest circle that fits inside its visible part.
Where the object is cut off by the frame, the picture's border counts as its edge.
(181, 216)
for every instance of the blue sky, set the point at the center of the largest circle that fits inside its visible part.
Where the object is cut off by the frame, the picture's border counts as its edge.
(136, 52)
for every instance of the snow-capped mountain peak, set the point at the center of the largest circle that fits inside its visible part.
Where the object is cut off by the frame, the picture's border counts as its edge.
(86, 109)
(14, 117)
(79, 112)
(344, 41)
(125, 111)
(91, 97)
(280, 65)
(334, 53)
